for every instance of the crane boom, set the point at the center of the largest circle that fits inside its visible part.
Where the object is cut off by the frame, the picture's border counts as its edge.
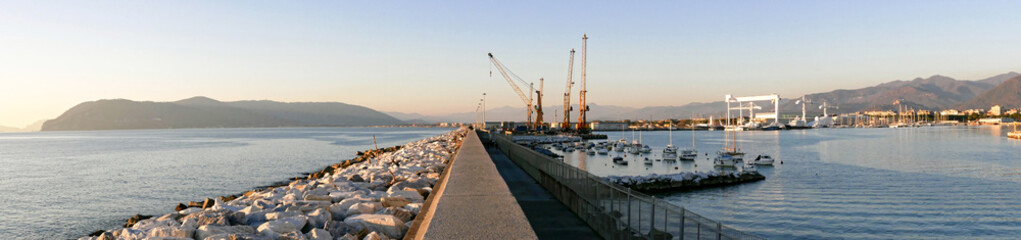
(566, 124)
(507, 76)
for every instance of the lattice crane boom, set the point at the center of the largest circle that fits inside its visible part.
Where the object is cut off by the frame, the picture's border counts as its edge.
(510, 77)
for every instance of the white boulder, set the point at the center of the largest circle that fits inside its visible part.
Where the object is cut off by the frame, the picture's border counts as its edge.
(386, 224)
(168, 231)
(363, 208)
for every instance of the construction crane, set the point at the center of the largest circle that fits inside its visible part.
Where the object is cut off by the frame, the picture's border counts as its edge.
(511, 77)
(582, 124)
(566, 124)
(538, 107)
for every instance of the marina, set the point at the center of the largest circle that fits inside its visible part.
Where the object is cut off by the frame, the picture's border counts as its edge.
(906, 176)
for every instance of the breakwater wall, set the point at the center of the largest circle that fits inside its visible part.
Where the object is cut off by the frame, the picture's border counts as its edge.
(373, 196)
(685, 181)
(613, 211)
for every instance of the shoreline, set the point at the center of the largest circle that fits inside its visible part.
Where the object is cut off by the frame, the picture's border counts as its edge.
(376, 194)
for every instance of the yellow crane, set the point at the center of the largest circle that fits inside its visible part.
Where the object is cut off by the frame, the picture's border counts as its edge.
(511, 77)
(538, 107)
(566, 124)
(583, 108)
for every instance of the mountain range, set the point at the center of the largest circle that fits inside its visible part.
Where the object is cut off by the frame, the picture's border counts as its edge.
(203, 112)
(1007, 94)
(933, 93)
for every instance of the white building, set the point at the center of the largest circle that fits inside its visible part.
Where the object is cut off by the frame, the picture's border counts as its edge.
(608, 126)
(995, 121)
(995, 110)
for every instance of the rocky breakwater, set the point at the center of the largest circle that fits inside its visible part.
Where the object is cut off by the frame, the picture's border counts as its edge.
(685, 181)
(375, 196)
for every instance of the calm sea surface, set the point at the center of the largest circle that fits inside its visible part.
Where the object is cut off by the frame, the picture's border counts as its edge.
(59, 185)
(907, 183)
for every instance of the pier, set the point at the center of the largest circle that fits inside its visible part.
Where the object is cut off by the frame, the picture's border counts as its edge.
(472, 201)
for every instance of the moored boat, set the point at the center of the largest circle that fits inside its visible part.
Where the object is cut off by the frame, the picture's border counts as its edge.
(619, 160)
(724, 160)
(670, 152)
(762, 160)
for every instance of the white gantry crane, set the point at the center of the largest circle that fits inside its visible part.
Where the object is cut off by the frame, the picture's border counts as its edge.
(511, 77)
(772, 98)
(566, 124)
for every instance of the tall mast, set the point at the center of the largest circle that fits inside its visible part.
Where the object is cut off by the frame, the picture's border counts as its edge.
(693, 131)
(583, 108)
(671, 129)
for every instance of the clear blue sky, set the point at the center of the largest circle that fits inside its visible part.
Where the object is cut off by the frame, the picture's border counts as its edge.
(430, 58)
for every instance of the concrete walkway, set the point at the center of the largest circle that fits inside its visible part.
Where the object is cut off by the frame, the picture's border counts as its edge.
(550, 218)
(474, 201)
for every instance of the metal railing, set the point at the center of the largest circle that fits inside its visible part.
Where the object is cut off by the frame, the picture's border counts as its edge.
(615, 212)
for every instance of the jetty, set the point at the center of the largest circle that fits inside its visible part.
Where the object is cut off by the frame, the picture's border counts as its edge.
(685, 181)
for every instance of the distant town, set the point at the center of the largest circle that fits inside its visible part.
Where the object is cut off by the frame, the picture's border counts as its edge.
(995, 115)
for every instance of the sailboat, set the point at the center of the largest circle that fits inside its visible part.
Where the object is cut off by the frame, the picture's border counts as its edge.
(690, 154)
(621, 144)
(730, 154)
(731, 148)
(633, 148)
(641, 146)
(1015, 133)
(724, 160)
(670, 152)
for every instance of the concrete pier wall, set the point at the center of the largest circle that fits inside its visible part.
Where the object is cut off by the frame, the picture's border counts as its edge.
(472, 201)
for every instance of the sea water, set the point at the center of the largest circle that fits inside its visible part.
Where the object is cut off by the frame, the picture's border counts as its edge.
(60, 185)
(904, 183)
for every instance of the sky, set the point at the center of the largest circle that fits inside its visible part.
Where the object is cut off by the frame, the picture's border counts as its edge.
(430, 57)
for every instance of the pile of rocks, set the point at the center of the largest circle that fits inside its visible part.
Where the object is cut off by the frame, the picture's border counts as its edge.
(685, 180)
(376, 197)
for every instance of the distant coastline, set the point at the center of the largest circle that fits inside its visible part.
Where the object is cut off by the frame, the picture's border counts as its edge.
(203, 112)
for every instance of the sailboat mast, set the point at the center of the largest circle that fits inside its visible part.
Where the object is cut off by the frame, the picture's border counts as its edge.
(692, 131)
(671, 129)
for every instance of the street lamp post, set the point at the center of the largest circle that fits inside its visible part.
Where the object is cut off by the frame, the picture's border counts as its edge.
(483, 110)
